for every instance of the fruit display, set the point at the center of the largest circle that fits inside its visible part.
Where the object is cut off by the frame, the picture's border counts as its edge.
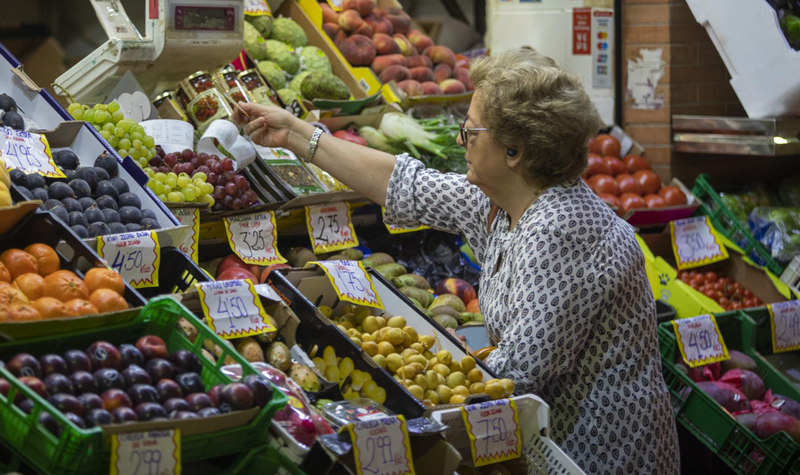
(5, 185)
(11, 117)
(728, 293)
(384, 40)
(92, 201)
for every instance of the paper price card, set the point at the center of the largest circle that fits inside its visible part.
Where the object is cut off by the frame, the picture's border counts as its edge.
(700, 341)
(233, 308)
(155, 452)
(330, 227)
(381, 446)
(336, 4)
(190, 217)
(256, 8)
(351, 281)
(695, 242)
(254, 238)
(395, 229)
(493, 429)
(785, 321)
(28, 152)
(136, 256)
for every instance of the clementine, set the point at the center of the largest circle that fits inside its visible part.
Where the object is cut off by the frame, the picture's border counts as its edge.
(5, 314)
(48, 307)
(5, 275)
(23, 312)
(46, 257)
(32, 285)
(106, 300)
(11, 295)
(80, 307)
(65, 286)
(104, 278)
(19, 262)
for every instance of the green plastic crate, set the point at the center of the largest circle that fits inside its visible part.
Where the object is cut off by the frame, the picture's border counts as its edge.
(83, 450)
(726, 222)
(738, 447)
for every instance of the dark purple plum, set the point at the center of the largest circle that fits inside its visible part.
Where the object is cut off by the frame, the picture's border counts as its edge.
(135, 374)
(26, 405)
(24, 364)
(49, 422)
(184, 361)
(83, 382)
(149, 410)
(190, 383)
(58, 383)
(214, 393)
(199, 401)
(130, 355)
(183, 415)
(208, 412)
(152, 347)
(91, 401)
(98, 417)
(75, 419)
(168, 389)
(5, 387)
(176, 404)
(108, 378)
(141, 393)
(114, 398)
(236, 396)
(159, 368)
(66, 403)
(262, 389)
(103, 354)
(124, 414)
(35, 384)
(52, 363)
(77, 361)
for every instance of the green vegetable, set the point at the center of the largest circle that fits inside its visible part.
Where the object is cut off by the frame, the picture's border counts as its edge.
(274, 74)
(287, 31)
(263, 24)
(254, 43)
(283, 55)
(313, 59)
(791, 24)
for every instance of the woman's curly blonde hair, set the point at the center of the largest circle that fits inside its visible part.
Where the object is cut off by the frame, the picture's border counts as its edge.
(530, 102)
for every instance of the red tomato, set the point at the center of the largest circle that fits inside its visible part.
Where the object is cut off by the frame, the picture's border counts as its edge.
(672, 195)
(699, 281)
(757, 302)
(648, 180)
(748, 303)
(628, 184)
(723, 302)
(610, 199)
(616, 165)
(634, 163)
(736, 305)
(695, 285)
(682, 275)
(608, 145)
(748, 294)
(597, 165)
(711, 276)
(717, 286)
(594, 145)
(604, 184)
(710, 294)
(654, 201)
(631, 201)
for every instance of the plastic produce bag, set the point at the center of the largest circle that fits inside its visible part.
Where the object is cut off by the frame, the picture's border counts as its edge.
(778, 229)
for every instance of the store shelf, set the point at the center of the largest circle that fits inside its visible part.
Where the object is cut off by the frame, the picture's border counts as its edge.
(736, 136)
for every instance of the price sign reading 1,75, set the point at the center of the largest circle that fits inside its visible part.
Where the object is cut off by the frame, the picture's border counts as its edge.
(699, 340)
(351, 282)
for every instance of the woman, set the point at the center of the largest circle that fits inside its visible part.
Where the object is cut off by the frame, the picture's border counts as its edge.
(563, 289)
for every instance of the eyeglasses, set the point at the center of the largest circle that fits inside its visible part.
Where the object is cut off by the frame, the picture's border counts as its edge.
(464, 131)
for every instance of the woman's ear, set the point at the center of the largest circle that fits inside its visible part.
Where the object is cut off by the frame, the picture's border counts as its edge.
(514, 154)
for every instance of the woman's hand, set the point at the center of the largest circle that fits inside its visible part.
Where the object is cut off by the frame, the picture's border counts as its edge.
(266, 126)
(461, 338)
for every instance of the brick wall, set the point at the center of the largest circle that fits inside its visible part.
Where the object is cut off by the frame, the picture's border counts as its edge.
(695, 80)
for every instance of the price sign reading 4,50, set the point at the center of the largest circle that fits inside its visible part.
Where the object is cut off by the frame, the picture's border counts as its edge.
(699, 340)
(493, 429)
(254, 238)
(155, 452)
(351, 281)
(785, 322)
(233, 308)
(695, 242)
(330, 227)
(28, 152)
(136, 256)
(381, 446)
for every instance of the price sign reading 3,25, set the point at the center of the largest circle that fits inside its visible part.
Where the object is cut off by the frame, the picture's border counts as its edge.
(381, 446)
(254, 238)
(695, 242)
(28, 152)
(233, 308)
(785, 322)
(156, 452)
(136, 256)
(351, 282)
(493, 429)
(699, 340)
(330, 227)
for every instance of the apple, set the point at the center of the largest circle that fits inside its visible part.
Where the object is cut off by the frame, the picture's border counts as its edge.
(152, 347)
(235, 261)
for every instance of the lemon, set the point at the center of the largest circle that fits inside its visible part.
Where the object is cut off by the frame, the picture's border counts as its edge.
(467, 364)
(477, 388)
(397, 322)
(427, 341)
(370, 324)
(508, 385)
(381, 322)
(475, 376)
(416, 391)
(444, 393)
(420, 381)
(496, 391)
(385, 348)
(441, 369)
(457, 399)
(432, 396)
(395, 336)
(461, 391)
(455, 366)
(394, 362)
(444, 357)
(456, 379)
(380, 360)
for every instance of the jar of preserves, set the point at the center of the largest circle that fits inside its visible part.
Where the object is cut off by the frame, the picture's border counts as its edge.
(258, 88)
(193, 85)
(168, 106)
(227, 80)
(207, 107)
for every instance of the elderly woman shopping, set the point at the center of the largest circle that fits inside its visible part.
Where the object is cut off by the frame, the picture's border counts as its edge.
(563, 287)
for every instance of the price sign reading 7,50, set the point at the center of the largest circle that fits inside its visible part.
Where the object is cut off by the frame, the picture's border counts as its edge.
(695, 242)
(254, 238)
(699, 340)
(785, 323)
(155, 452)
(351, 282)
(135, 256)
(233, 308)
(381, 446)
(494, 432)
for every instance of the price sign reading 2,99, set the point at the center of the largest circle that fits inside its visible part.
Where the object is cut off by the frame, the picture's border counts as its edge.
(156, 452)
(254, 238)
(28, 152)
(330, 227)
(700, 340)
(351, 282)
(135, 256)
(493, 429)
(785, 322)
(381, 446)
(233, 308)
(695, 242)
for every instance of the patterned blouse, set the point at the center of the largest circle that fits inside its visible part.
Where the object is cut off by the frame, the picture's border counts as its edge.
(565, 298)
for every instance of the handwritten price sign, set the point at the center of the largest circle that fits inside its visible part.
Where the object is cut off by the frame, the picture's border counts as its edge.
(233, 309)
(695, 242)
(190, 217)
(136, 256)
(394, 229)
(700, 341)
(493, 429)
(146, 453)
(351, 281)
(28, 152)
(785, 322)
(330, 227)
(254, 238)
(382, 447)
(336, 4)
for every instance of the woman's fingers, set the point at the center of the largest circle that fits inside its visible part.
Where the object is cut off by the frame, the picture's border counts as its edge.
(254, 125)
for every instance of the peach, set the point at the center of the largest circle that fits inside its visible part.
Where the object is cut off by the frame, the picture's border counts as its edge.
(442, 72)
(371, 19)
(350, 20)
(411, 87)
(363, 7)
(463, 62)
(401, 21)
(382, 62)
(403, 43)
(441, 54)
(419, 40)
(385, 44)
(358, 50)
(340, 36)
(382, 25)
(328, 15)
(452, 86)
(417, 61)
(421, 74)
(395, 73)
(462, 74)
(330, 29)
(431, 88)
(364, 30)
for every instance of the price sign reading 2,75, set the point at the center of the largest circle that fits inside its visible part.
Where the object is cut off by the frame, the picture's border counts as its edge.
(785, 324)
(254, 238)
(381, 446)
(699, 340)
(330, 227)
(135, 256)
(155, 452)
(351, 282)
(494, 431)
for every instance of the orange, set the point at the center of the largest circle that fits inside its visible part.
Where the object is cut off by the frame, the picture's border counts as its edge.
(106, 300)
(80, 307)
(10, 295)
(5, 275)
(19, 262)
(46, 257)
(473, 307)
(22, 312)
(5, 315)
(48, 307)
(104, 278)
(65, 286)
(32, 285)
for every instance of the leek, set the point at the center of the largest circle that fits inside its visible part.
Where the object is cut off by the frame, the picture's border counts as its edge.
(401, 127)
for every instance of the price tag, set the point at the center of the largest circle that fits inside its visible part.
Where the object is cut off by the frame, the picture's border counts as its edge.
(381, 446)
(330, 227)
(394, 229)
(155, 452)
(256, 8)
(190, 217)
(254, 237)
(351, 281)
(695, 242)
(336, 4)
(785, 321)
(28, 152)
(136, 256)
(493, 429)
(233, 309)
(699, 340)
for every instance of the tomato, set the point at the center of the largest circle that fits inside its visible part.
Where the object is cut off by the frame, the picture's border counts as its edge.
(711, 276)
(748, 294)
(699, 281)
(717, 286)
(724, 302)
(628, 184)
(594, 145)
(608, 145)
(654, 201)
(610, 199)
(634, 163)
(682, 275)
(748, 303)
(597, 165)
(757, 302)
(672, 195)
(631, 201)
(695, 285)
(648, 180)
(710, 294)
(615, 164)
(604, 184)
(736, 305)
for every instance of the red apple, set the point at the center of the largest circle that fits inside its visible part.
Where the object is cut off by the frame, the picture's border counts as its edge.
(152, 347)
(235, 261)
(235, 273)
